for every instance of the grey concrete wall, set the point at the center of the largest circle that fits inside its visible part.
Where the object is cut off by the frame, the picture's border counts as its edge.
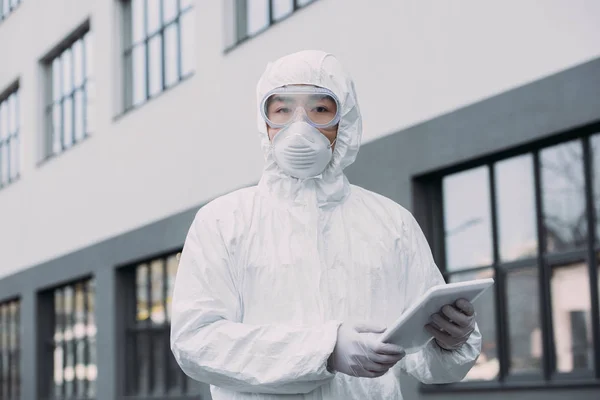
(533, 112)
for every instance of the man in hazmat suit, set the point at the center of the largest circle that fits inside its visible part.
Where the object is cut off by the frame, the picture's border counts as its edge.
(283, 287)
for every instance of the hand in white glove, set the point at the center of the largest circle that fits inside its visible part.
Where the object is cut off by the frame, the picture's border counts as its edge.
(359, 353)
(453, 325)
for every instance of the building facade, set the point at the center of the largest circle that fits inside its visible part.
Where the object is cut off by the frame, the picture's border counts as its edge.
(119, 119)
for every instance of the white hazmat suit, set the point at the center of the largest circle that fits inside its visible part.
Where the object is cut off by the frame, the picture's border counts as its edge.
(268, 273)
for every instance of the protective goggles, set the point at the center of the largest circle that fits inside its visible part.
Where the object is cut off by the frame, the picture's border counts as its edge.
(317, 106)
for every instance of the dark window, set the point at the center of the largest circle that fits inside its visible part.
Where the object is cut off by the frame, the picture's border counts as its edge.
(9, 136)
(151, 369)
(71, 359)
(7, 7)
(255, 16)
(159, 47)
(10, 331)
(70, 94)
(529, 221)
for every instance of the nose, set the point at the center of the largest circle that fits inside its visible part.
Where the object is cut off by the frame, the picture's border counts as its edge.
(299, 114)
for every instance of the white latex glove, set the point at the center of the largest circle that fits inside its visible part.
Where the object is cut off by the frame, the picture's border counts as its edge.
(359, 353)
(453, 325)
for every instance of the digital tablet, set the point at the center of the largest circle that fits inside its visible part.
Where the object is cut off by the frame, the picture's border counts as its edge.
(409, 331)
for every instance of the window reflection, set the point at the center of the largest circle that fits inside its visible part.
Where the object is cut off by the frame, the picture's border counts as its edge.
(563, 196)
(488, 364)
(10, 374)
(142, 283)
(156, 370)
(571, 316)
(74, 361)
(467, 219)
(515, 199)
(523, 313)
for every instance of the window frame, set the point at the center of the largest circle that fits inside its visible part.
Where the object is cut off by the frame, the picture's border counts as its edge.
(48, 321)
(9, 392)
(128, 45)
(240, 21)
(47, 151)
(12, 138)
(428, 200)
(175, 386)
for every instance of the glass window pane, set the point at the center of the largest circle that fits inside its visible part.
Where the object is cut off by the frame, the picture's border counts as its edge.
(92, 371)
(4, 164)
(78, 63)
(153, 9)
(142, 282)
(169, 10)
(67, 77)
(4, 132)
(57, 128)
(58, 371)
(143, 361)
(282, 8)
(571, 317)
(69, 370)
(525, 331)
(155, 65)
(188, 50)
(89, 96)
(137, 20)
(14, 157)
(56, 79)
(515, 199)
(79, 116)
(158, 286)
(68, 122)
(563, 196)
(172, 265)
(171, 59)
(257, 15)
(139, 75)
(160, 363)
(467, 219)
(12, 115)
(488, 364)
(595, 144)
(89, 55)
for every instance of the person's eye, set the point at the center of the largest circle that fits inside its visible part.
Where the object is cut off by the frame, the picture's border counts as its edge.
(282, 110)
(321, 109)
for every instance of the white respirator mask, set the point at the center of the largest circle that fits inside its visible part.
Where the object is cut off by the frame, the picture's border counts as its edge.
(301, 151)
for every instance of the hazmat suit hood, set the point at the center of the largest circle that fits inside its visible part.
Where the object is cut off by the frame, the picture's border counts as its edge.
(318, 68)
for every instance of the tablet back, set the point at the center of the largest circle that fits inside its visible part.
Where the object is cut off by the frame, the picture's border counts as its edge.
(409, 330)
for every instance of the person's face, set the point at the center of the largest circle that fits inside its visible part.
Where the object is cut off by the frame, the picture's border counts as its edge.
(315, 106)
